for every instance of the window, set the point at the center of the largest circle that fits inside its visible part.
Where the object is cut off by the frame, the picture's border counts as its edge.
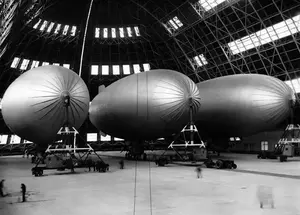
(42, 28)
(50, 27)
(105, 33)
(0, 103)
(126, 69)
(121, 31)
(113, 33)
(173, 24)
(66, 65)
(137, 32)
(65, 31)
(15, 62)
(129, 31)
(97, 32)
(24, 64)
(73, 31)
(14, 139)
(91, 137)
(27, 141)
(160, 138)
(146, 66)
(231, 138)
(116, 70)
(94, 70)
(136, 68)
(106, 138)
(237, 139)
(267, 35)
(200, 60)
(37, 24)
(209, 4)
(264, 145)
(34, 64)
(57, 29)
(45, 64)
(3, 139)
(118, 139)
(56, 64)
(105, 70)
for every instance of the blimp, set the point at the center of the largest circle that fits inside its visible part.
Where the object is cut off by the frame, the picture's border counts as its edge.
(146, 105)
(242, 105)
(156, 103)
(42, 100)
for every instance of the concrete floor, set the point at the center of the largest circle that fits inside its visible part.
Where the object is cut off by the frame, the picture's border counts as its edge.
(174, 189)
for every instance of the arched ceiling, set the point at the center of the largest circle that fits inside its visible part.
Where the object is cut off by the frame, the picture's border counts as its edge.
(206, 33)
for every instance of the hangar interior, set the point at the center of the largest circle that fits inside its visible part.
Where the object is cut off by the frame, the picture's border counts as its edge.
(234, 64)
(203, 39)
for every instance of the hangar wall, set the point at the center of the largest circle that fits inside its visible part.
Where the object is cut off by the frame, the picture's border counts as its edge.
(257, 142)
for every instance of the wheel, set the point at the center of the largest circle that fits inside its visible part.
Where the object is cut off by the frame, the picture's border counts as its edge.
(229, 166)
(258, 156)
(281, 158)
(219, 164)
(234, 166)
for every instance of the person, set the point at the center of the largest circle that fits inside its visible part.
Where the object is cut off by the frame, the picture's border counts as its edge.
(121, 164)
(1, 188)
(199, 172)
(265, 196)
(23, 190)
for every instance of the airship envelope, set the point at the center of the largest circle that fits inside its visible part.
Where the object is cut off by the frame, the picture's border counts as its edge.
(33, 105)
(145, 106)
(244, 104)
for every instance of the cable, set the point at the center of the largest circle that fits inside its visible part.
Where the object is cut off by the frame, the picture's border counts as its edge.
(134, 197)
(150, 188)
(84, 38)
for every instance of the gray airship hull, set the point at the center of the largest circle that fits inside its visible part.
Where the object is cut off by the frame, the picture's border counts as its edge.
(241, 105)
(145, 106)
(33, 105)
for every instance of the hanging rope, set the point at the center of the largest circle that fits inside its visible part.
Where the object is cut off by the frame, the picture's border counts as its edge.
(84, 37)
(150, 188)
(134, 197)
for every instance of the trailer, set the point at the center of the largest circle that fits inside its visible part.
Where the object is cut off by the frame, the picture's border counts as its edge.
(220, 164)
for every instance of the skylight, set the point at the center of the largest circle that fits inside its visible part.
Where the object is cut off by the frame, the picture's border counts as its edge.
(126, 69)
(116, 70)
(90, 137)
(97, 32)
(209, 4)
(113, 33)
(27, 141)
(200, 60)
(66, 65)
(177, 21)
(118, 139)
(56, 64)
(34, 64)
(73, 31)
(43, 26)
(65, 31)
(37, 24)
(146, 66)
(14, 139)
(174, 24)
(57, 29)
(129, 31)
(137, 31)
(50, 27)
(267, 35)
(121, 31)
(94, 70)
(24, 64)
(15, 62)
(294, 84)
(45, 64)
(105, 70)
(105, 32)
(136, 68)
